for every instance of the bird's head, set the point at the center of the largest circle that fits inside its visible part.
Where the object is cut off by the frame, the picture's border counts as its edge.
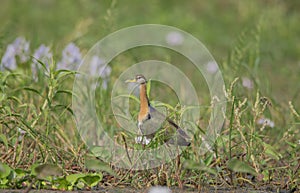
(138, 79)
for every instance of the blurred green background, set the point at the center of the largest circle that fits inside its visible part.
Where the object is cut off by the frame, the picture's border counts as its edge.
(257, 41)
(218, 24)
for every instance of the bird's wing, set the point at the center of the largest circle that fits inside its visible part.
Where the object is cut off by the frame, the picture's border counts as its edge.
(154, 123)
(179, 137)
(156, 114)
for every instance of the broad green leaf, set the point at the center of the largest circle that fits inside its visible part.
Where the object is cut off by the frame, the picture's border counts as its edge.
(237, 165)
(89, 179)
(20, 172)
(69, 109)
(72, 178)
(190, 164)
(4, 170)
(3, 139)
(209, 159)
(32, 90)
(41, 63)
(59, 74)
(60, 183)
(97, 165)
(92, 179)
(80, 185)
(270, 150)
(101, 152)
(148, 87)
(4, 183)
(68, 92)
(273, 153)
(293, 145)
(44, 171)
(15, 99)
(266, 175)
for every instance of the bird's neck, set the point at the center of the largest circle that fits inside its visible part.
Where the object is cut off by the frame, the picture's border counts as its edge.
(144, 101)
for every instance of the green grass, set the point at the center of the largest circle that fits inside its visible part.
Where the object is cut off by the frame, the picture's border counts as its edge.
(257, 39)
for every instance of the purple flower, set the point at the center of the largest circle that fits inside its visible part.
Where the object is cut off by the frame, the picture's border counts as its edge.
(98, 68)
(174, 38)
(266, 121)
(22, 49)
(71, 58)
(9, 59)
(42, 54)
(247, 83)
(21, 133)
(19, 49)
(95, 64)
(212, 67)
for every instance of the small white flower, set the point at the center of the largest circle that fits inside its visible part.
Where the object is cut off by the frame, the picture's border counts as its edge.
(159, 189)
(212, 67)
(174, 38)
(266, 121)
(22, 133)
(247, 83)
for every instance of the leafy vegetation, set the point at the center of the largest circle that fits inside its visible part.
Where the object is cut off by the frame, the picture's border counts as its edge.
(259, 146)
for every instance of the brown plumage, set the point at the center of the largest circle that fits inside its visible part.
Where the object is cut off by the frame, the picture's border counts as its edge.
(144, 103)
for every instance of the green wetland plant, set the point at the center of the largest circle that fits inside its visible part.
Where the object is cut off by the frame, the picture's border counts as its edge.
(258, 146)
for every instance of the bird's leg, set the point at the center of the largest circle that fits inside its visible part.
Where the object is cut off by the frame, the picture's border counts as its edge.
(143, 138)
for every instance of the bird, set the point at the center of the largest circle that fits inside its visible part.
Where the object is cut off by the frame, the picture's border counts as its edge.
(150, 119)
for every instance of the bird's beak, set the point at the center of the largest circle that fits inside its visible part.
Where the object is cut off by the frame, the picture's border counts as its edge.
(130, 80)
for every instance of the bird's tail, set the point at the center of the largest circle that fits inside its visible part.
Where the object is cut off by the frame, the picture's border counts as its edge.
(181, 136)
